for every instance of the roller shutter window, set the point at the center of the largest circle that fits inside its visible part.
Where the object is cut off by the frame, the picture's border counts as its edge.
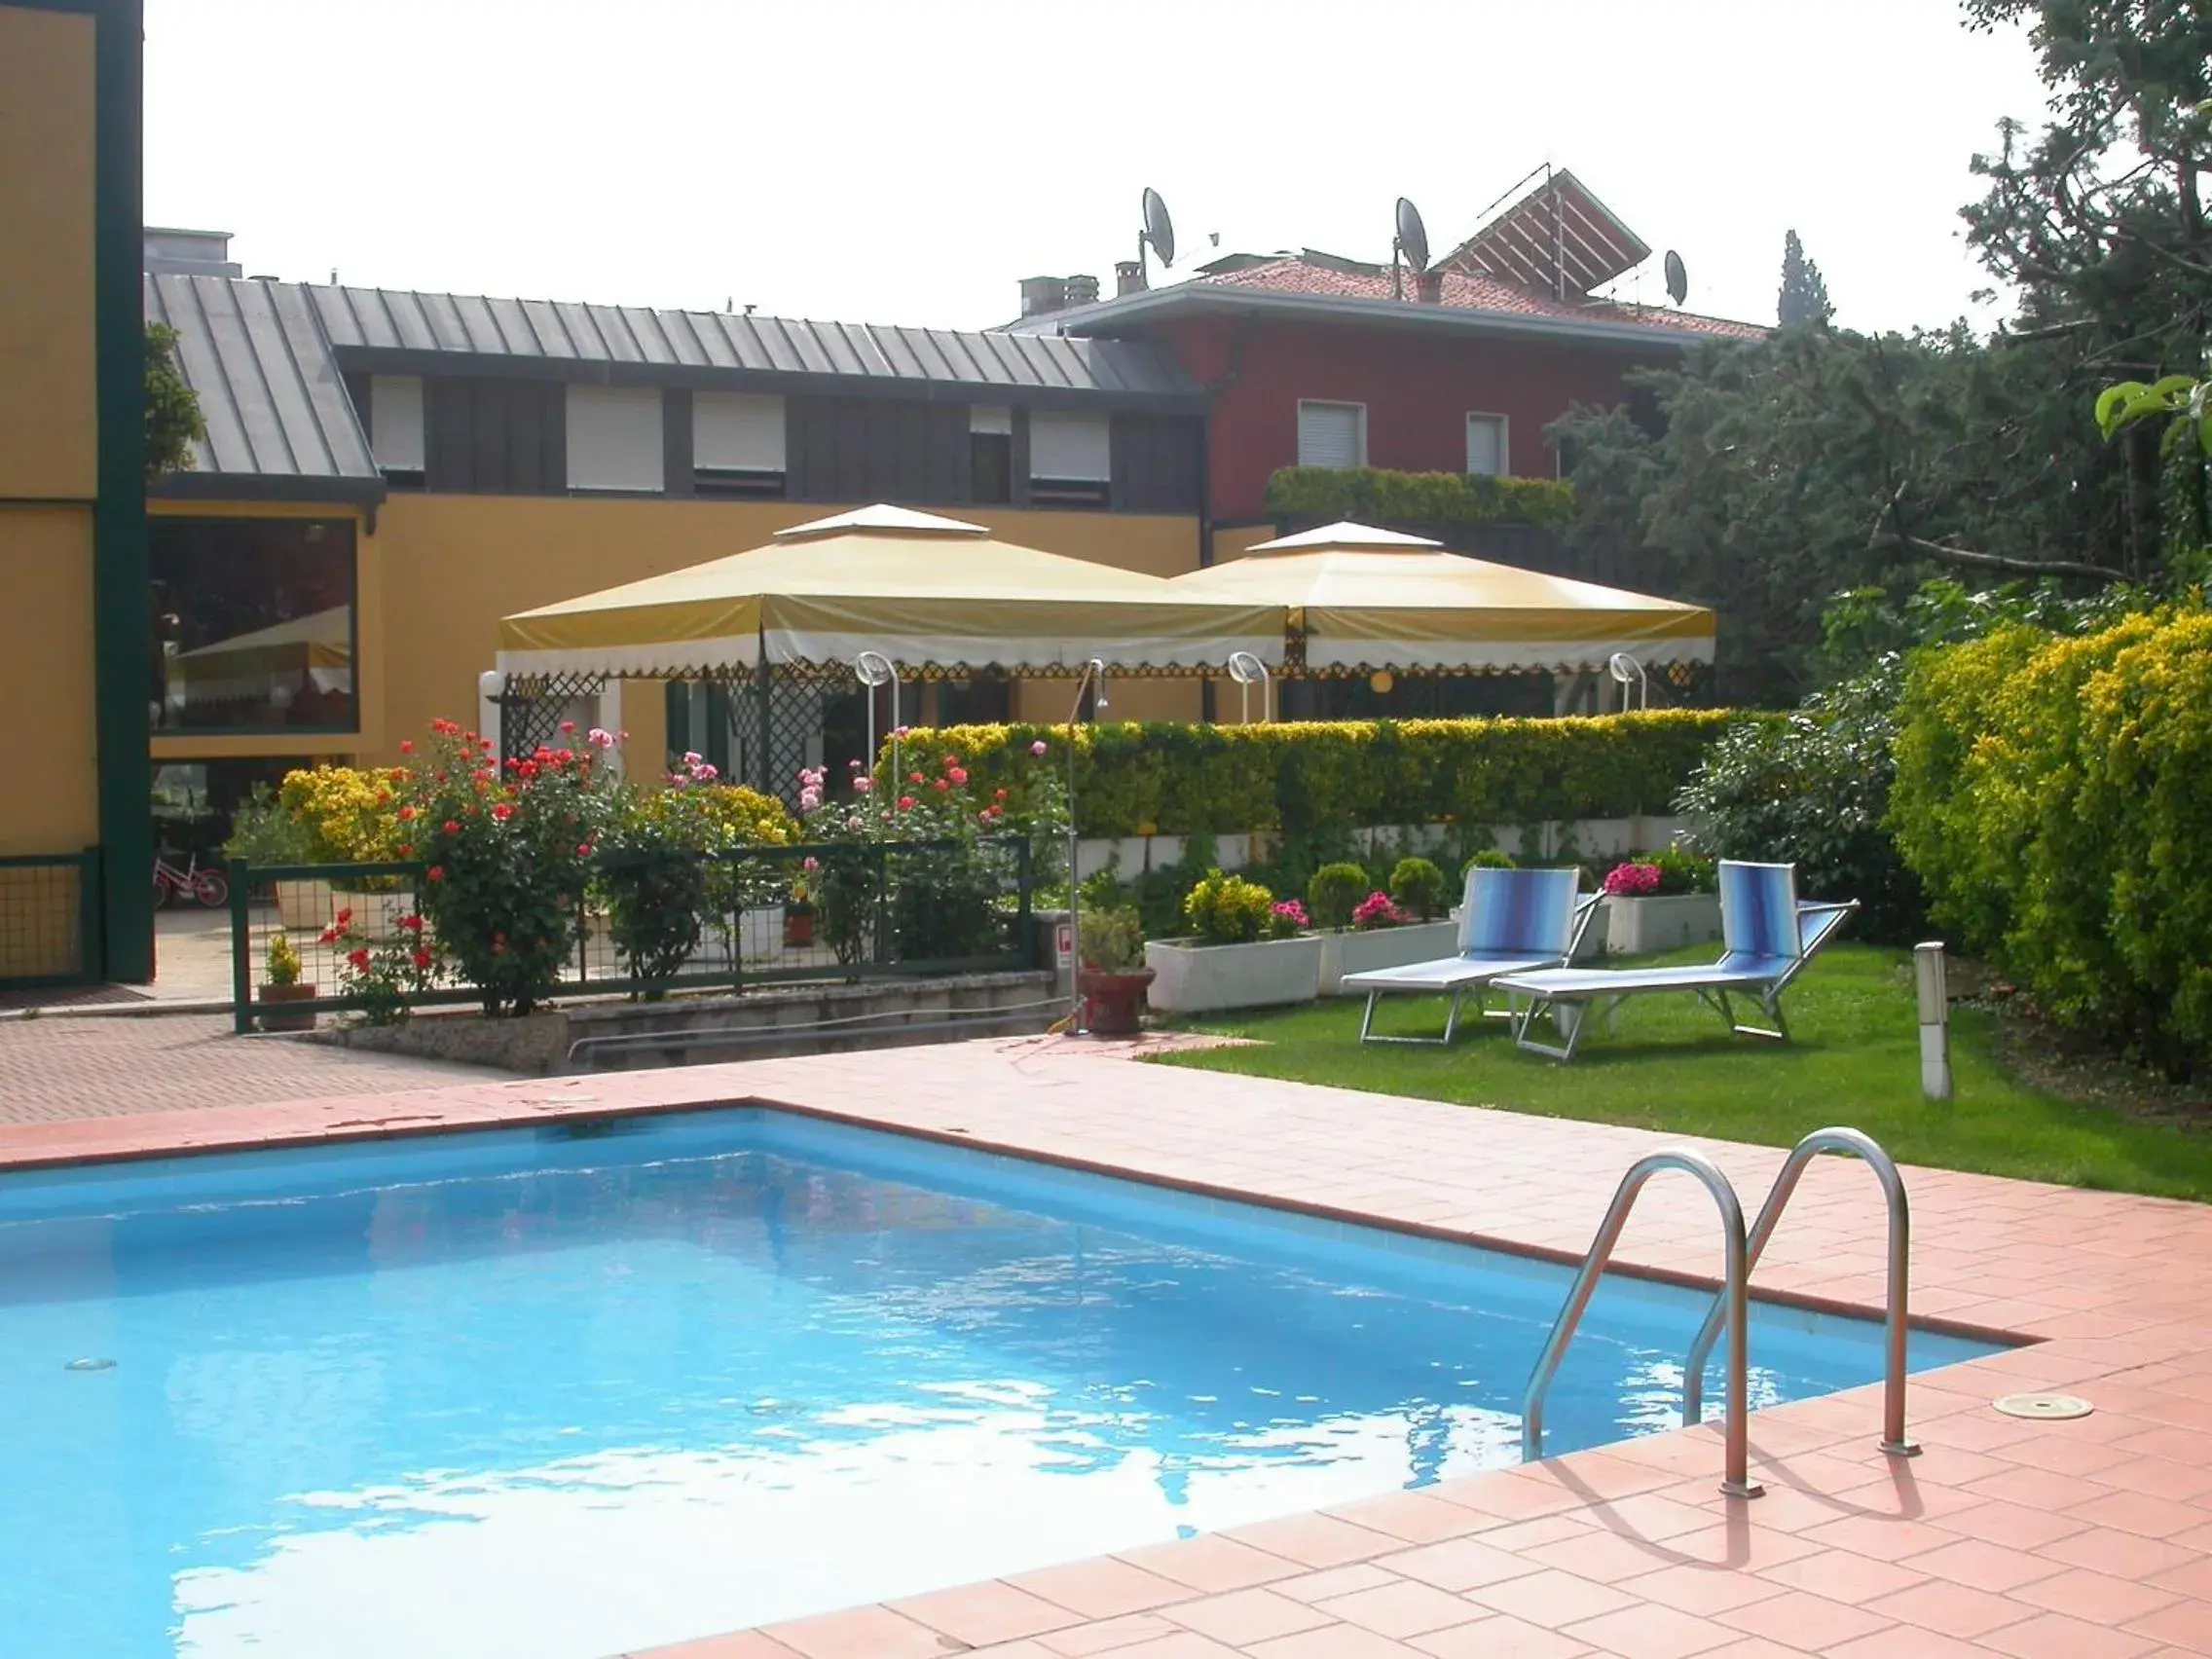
(395, 429)
(614, 438)
(1071, 459)
(1332, 434)
(1485, 445)
(737, 444)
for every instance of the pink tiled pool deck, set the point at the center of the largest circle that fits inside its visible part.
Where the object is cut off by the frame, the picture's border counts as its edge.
(2081, 1539)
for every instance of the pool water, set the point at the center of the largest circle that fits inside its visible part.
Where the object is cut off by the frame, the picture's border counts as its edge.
(564, 1394)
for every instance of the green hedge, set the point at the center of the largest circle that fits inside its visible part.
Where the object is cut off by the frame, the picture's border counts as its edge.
(1172, 779)
(1374, 494)
(2054, 797)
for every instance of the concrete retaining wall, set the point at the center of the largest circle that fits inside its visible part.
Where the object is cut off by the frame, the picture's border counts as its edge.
(786, 1020)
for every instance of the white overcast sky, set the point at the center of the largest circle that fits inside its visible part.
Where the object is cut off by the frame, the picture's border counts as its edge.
(908, 161)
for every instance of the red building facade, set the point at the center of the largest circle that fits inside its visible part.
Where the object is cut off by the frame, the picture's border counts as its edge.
(1313, 359)
(1415, 393)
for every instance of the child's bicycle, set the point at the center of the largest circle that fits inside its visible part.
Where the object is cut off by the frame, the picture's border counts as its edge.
(208, 887)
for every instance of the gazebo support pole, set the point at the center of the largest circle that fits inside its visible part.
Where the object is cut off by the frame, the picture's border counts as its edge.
(1093, 675)
(764, 680)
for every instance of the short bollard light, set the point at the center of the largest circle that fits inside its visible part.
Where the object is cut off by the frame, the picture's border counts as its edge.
(1935, 1020)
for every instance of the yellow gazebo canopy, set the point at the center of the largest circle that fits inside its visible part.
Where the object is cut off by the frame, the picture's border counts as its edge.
(922, 590)
(1372, 599)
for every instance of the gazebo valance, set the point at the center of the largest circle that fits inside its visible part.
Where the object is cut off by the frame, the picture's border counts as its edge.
(926, 591)
(1364, 599)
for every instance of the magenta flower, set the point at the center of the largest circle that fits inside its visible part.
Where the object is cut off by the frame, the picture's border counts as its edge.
(1632, 880)
(1038, 747)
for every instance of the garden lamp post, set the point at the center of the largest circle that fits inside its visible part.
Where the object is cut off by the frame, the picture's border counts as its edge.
(875, 670)
(1092, 679)
(490, 705)
(1244, 668)
(1629, 672)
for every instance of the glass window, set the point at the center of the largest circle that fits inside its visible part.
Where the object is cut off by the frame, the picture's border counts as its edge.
(1485, 445)
(253, 624)
(1332, 434)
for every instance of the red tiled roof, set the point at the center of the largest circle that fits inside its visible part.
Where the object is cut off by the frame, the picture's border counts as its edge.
(1291, 275)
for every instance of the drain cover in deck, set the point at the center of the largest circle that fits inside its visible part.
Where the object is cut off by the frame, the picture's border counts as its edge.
(2050, 1408)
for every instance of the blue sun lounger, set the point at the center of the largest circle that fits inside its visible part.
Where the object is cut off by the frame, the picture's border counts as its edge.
(1767, 937)
(1510, 921)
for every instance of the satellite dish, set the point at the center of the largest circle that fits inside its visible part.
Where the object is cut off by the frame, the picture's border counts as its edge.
(1158, 228)
(1413, 234)
(1677, 278)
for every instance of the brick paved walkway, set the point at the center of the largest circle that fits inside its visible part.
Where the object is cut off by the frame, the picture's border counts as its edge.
(2084, 1539)
(88, 1067)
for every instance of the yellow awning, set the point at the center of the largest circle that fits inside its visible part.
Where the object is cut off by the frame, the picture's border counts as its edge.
(1373, 599)
(924, 591)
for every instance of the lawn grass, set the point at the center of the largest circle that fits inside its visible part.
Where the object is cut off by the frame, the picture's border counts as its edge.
(1855, 1060)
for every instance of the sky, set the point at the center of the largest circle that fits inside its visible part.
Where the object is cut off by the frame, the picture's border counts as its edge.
(909, 162)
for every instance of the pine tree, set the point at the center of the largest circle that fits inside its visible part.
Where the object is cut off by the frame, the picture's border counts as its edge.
(1804, 295)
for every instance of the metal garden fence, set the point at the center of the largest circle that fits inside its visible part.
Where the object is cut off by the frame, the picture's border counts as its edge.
(652, 924)
(50, 921)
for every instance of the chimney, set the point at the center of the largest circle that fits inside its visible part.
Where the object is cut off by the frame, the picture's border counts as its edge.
(1042, 294)
(1129, 277)
(1429, 285)
(1082, 290)
(188, 253)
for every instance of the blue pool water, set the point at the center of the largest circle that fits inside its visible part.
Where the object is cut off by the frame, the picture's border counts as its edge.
(543, 1394)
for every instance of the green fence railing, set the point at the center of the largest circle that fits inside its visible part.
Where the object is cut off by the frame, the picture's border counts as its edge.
(652, 924)
(50, 920)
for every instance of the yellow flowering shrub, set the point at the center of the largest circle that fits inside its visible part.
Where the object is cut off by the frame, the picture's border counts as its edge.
(352, 812)
(2054, 794)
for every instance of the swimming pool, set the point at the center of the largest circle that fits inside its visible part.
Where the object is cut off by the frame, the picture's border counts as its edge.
(568, 1392)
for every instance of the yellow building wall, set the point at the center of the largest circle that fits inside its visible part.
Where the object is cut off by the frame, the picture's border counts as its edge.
(51, 803)
(49, 474)
(49, 403)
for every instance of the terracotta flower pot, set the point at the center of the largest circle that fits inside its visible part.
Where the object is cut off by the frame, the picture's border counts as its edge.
(1110, 999)
(799, 929)
(278, 1018)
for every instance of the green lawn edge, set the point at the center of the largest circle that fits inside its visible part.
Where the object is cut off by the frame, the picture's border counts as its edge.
(1854, 1059)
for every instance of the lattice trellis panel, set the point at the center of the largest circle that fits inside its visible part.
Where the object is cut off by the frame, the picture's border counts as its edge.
(771, 738)
(532, 711)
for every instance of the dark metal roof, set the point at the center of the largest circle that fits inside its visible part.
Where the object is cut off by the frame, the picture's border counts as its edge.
(706, 348)
(268, 389)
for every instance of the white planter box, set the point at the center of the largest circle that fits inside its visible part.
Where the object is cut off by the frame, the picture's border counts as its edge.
(760, 932)
(1636, 926)
(1194, 979)
(1364, 951)
(303, 907)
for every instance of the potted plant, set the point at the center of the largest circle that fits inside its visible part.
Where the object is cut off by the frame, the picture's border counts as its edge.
(1112, 977)
(280, 984)
(1661, 902)
(1244, 950)
(798, 907)
(1379, 929)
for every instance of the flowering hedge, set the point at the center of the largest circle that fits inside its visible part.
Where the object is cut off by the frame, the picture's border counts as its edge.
(1169, 778)
(2054, 796)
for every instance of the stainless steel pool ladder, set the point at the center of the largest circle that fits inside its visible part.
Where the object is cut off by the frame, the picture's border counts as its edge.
(1733, 1306)
(1861, 1145)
